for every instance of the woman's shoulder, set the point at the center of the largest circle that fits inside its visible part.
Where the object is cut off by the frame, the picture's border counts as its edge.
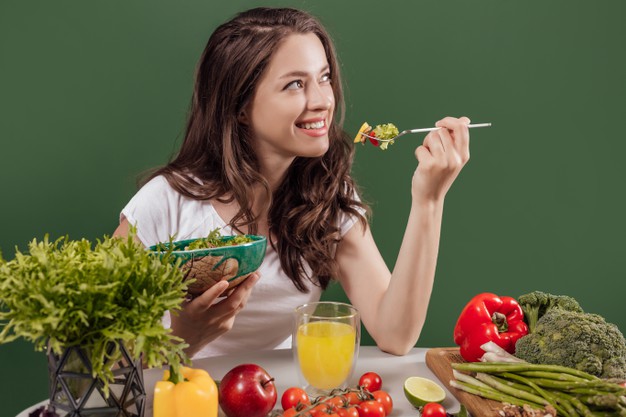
(162, 193)
(168, 187)
(154, 199)
(157, 184)
(160, 211)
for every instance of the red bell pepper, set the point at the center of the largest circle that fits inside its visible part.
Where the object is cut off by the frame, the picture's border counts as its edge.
(485, 318)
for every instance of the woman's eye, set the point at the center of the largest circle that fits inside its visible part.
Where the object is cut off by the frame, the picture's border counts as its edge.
(326, 77)
(294, 85)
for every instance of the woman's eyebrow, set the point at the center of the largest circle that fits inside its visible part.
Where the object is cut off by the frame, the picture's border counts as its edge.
(302, 73)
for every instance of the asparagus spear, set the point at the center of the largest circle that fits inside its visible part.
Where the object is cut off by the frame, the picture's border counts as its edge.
(571, 392)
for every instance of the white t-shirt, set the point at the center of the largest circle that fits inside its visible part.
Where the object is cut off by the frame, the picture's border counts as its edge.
(158, 211)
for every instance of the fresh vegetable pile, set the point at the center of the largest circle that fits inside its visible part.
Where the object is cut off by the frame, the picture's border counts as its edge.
(564, 359)
(384, 131)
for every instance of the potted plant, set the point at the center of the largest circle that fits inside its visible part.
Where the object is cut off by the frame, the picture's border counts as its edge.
(96, 309)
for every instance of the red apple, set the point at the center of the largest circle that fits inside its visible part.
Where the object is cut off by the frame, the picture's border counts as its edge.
(247, 391)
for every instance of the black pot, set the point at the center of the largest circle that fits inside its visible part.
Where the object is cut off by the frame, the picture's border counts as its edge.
(74, 392)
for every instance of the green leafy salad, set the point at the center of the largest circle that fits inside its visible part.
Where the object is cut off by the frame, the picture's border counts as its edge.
(385, 131)
(216, 240)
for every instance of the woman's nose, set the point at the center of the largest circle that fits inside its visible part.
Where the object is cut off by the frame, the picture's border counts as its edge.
(318, 98)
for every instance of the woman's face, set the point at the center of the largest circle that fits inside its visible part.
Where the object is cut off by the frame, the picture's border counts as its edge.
(293, 104)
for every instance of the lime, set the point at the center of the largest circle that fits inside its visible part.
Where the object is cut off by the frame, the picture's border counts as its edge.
(420, 391)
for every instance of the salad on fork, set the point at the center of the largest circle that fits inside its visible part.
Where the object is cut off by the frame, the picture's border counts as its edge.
(385, 134)
(381, 135)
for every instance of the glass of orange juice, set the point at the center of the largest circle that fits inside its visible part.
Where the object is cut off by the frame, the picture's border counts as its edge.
(325, 345)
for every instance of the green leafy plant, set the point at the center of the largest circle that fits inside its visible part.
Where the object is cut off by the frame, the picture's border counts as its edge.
(72, 292)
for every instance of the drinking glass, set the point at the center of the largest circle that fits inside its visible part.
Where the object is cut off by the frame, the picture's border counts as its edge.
(325, 344)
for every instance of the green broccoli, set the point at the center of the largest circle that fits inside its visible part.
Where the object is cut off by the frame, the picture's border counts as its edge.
(537, 303)
(577, 340)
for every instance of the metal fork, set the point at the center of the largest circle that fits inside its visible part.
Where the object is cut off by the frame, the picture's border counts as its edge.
(427, 129)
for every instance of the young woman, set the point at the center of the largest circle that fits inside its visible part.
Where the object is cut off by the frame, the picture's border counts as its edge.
(264, 153)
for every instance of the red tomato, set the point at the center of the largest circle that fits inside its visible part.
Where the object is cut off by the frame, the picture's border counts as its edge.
(324, 412)
(294, 411)
(374, 141)
(353, 398)
(371, 408)
(320, 410)
(348, 412)
(371, 381)
(385, 399)
(433, 410)
(294, 396)
(290, 412)
(336, 402)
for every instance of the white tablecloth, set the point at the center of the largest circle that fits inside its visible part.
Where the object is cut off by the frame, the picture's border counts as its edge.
(280, 365)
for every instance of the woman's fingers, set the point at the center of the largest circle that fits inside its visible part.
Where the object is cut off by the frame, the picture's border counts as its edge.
(207, 298)
(453, 159)
(237, 299)
(433, 143)
(422, 154)
(460, 134)
(203, 319)
(441, 156)
(243, 290)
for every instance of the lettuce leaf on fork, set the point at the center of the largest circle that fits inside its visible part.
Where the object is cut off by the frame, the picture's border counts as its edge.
(384, 131)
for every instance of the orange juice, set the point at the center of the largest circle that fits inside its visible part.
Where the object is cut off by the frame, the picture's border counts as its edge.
(326, 352)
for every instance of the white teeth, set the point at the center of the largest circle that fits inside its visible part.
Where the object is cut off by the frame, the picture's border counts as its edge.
(316, 125)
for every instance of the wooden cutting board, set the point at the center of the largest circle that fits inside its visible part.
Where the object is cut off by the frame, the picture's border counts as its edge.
(438, 361)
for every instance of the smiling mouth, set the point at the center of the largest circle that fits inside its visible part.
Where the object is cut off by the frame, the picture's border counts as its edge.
(312, 126)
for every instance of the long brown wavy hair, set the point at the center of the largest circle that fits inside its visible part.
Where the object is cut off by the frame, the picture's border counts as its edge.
(304, 210)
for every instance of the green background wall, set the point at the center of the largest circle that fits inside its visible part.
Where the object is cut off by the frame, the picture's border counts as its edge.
(92, 93)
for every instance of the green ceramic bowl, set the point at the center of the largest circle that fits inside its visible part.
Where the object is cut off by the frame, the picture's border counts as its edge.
(211, 265)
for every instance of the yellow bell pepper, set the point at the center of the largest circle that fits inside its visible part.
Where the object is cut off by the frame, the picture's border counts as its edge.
(193, 396)
(365, 128)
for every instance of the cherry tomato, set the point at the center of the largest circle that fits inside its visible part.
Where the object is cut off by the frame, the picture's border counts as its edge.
(374, 141)
(294, 396)
(321, 409)
(329, 412)
(371, 408)
(385, 399)
(348, 412)
(433, 410)
(623, 384)
(336, 402)
(353, 398)
(290, 412)
(371, 381)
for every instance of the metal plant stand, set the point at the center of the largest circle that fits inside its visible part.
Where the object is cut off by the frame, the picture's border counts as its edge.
(74, 392)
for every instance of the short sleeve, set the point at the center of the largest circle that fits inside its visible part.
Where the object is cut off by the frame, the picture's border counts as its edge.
(347, 220)
(152, 211)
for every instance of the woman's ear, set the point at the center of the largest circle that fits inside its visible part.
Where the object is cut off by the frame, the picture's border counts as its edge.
(243, 117)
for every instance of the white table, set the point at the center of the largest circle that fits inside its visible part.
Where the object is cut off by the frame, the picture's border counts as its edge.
(280, 365)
